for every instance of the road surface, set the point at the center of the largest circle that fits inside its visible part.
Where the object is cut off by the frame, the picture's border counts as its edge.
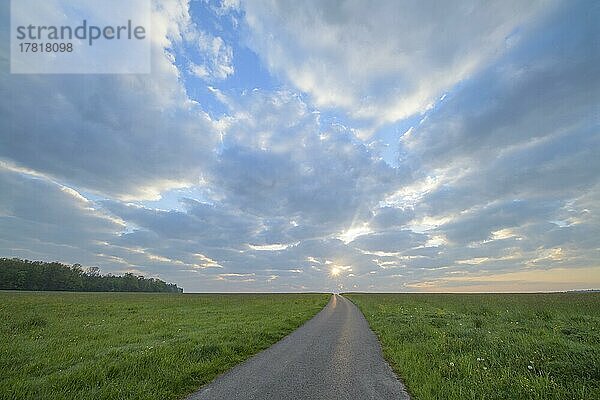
(333, 356)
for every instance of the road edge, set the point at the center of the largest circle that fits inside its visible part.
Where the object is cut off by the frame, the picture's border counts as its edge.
(381, 352)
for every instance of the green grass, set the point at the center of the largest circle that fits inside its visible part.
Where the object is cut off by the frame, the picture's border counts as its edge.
(490, 346)
(135, 346)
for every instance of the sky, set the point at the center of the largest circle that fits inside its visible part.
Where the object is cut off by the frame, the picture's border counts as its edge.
(347, 145)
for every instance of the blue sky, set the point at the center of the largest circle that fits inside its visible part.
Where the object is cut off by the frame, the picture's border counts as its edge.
(326, 146)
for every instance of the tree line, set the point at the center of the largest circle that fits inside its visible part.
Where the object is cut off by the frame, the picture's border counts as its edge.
(16, 274)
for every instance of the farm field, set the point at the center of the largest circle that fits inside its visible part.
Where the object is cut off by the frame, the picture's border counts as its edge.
(490, 346)
(56, 345)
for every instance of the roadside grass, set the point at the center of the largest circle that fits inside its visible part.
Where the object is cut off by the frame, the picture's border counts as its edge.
(490, 346)
(135, 346)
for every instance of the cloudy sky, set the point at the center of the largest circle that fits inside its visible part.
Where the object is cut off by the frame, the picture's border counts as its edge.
(320, 145)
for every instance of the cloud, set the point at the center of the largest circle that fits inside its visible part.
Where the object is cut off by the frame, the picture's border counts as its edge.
(513, 153)
(279, 160)
(496, 184)
(389, 241)
(386, 62)
(99, 131)
(290, 188)
(388, 217)
(43, 219)
(515, 132)
(217, 57)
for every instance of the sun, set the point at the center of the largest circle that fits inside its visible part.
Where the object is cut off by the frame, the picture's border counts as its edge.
(336, 270)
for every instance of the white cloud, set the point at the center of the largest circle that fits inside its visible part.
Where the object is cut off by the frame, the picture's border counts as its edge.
(269, 247)
(218, 56)
(386, 61)
(353, 232)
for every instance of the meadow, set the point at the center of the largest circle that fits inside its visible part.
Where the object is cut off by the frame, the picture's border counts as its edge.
(490, 346)
(56, 345)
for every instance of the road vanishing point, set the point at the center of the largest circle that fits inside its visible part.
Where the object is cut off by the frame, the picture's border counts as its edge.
(335, 355)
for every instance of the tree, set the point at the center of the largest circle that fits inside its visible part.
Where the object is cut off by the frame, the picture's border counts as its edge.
(16, 274)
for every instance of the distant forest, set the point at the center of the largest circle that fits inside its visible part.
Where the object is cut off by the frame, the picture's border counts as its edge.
(16, 274)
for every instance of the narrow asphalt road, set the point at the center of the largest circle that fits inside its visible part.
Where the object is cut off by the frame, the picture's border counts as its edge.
(333, 356)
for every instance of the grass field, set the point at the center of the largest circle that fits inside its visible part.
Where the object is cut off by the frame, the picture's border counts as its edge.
(490, 346)
(134, 346)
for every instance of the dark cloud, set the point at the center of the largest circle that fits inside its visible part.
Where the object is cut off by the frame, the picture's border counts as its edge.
(285, 163)
(390, 241)
(43, 219)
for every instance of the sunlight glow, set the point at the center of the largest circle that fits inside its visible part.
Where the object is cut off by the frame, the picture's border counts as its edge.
(352, 233)
(336, 270)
